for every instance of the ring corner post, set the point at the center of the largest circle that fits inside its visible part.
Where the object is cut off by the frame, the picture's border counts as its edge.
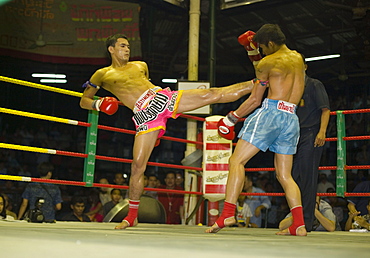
(341, 155)
(90, 149)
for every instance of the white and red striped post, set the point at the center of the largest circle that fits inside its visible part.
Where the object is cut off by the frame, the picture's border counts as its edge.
(216, 153)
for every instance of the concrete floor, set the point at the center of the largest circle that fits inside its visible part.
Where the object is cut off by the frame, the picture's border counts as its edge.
(76, 239)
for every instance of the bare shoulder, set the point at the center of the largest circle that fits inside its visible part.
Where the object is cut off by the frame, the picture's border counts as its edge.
(97, 77)
(139, 63)
(102, 71)
(266, 63)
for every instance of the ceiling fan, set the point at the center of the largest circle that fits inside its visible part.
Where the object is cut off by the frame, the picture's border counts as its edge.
(40, 42)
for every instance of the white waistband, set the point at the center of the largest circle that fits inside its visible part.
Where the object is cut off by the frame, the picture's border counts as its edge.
(286, 106)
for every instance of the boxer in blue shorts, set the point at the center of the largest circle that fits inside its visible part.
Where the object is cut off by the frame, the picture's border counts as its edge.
(274, 126)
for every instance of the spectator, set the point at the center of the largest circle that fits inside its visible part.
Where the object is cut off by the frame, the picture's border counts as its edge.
(49, 192)
(179, 180)
(324, 184)
(152, 183)
(95, 212)
(325, 219)
(257, 203)
(8, 206)
(244, 213)
(116, 196)
(173, 203)
(338, 204)
(4, 213)
(355, 221)
(119, 179)
(356, 204)
(104, 192)
(78, 208)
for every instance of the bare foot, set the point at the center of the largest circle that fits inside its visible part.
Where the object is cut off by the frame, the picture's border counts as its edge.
(285, 223)
(124, 224)
(301, 231)
(215, 228)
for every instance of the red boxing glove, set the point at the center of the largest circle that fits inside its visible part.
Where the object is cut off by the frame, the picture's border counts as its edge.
(226, 126)
(246, 40)
(108, 105)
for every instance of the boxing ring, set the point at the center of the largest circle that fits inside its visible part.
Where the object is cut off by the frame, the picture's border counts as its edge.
(156, 240)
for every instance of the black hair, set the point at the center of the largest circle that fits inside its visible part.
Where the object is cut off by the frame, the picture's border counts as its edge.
(3, 212)
(171, 172)
(44, 168)
(115, 189)
(77, 199)
(112, 40)
(270, 32)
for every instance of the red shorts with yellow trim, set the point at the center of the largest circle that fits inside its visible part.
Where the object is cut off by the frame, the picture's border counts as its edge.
(153, 109)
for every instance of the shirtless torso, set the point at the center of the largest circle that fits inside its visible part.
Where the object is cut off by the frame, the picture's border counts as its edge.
(284, 71)
(127, 83)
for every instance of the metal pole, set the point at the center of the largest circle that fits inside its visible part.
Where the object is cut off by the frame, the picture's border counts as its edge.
(212, 40)
(194, 21)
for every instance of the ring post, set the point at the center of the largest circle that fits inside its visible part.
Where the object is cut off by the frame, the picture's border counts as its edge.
(90, 149)
(216, 154)
(341, 155)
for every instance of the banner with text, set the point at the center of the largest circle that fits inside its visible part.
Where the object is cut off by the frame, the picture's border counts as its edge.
(75, 29)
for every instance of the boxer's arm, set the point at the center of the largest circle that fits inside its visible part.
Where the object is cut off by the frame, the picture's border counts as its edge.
(255, 99)
(86, 101)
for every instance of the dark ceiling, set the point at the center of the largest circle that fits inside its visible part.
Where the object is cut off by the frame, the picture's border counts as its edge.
(313, 27)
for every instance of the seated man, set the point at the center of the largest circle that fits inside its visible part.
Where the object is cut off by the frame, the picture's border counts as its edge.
(355, 221)
(77, 214)
(49, 192)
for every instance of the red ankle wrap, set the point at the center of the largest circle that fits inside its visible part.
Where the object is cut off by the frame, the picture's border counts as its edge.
(298, 221)
(132, 212)
(228, 211)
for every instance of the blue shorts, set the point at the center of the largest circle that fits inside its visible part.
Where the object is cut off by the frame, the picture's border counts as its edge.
(274, 126)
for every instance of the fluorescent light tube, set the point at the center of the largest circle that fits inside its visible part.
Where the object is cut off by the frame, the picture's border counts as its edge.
(308, 59)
